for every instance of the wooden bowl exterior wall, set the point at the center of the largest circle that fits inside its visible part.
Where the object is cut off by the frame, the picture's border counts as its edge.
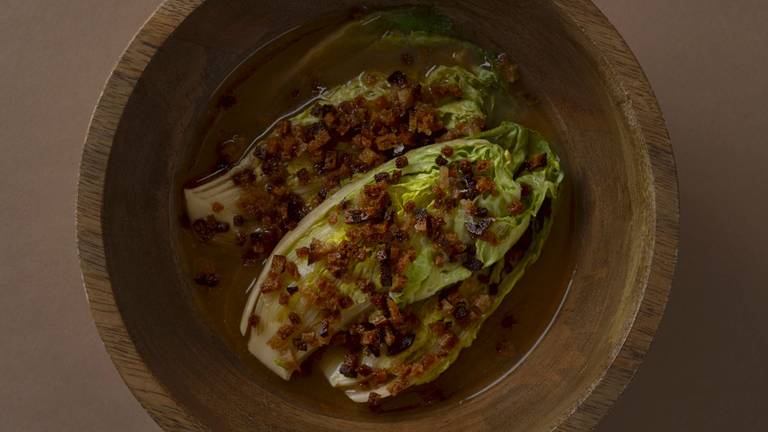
(610, 129)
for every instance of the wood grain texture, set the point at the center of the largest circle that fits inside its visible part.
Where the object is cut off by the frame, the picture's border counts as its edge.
(106, 116)
(611, 128)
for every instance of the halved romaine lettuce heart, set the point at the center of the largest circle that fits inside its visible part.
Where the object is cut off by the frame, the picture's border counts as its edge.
(298, 318)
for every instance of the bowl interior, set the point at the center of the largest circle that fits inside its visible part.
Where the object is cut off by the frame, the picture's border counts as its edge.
(606, 165)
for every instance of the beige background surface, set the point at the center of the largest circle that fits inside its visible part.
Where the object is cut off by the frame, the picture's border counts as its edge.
(707, 61)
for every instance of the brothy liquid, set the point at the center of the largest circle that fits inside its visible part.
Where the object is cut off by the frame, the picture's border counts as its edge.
(280, 79)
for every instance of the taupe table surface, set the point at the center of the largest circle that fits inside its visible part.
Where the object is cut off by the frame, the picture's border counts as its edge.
(707, 369)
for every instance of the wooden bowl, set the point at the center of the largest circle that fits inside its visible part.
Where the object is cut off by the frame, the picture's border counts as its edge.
(611, 136)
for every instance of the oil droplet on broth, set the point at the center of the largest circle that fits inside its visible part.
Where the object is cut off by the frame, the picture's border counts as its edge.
(279, 79)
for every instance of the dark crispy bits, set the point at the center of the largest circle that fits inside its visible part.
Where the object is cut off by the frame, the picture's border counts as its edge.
(319, 140)
(283, 128)
(405, 259)
(477, 225)
(400, 235)
(441, 161)
(294, 318)
(364, 370)
(369, 157)
(238, 220)
(331, 160)
(400, 344)
(263, 240)
(395, 177)
(324, 325)
(425, 120)
(441, 91)
(465, 166)
(271, 284)
(388, 141)
(278, 264)
(349, 366)
(381, 177)
(303, 176)
(322, 194)
(374, 402)
(386, 274)
(409, 206)
(480, 212)
(299, 344)
(401, 162)
(219, 226)
(374, 192)
(472, 263)
(394, 312)
(422, 222)
(209, 280)
(485, 185)
(253, 320)
(382, 254)
(345, 302)
(284, 298)
(461, 312)
(296, 209)
(447, 151)
(217, 207)
(292, 269)
(380, 302)
(356, 216)
(317, 251)
(397, 78)
(320, 110)
(205, 229)
(369, 337)
(244, 177)
(292, 289)
(483, 165)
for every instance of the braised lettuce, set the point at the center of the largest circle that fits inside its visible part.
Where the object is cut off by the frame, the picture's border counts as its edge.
(507, 151)
(226, 193)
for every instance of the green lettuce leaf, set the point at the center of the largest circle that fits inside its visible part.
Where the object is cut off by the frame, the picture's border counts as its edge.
(423, 278)
(520, 144)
